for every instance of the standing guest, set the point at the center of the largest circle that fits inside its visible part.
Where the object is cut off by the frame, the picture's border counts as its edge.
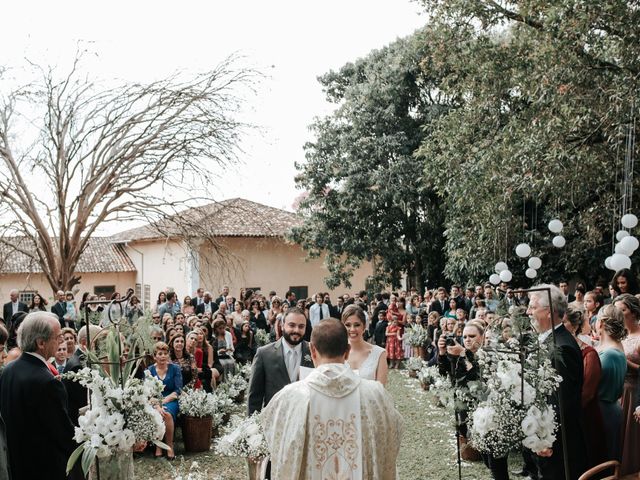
(33, 404)
(440, 303)
(181, 357)
(59, 361)
(592, 419)
(257, 317)
(630, 308)
(394, 343)
(72, 312)
(171, 306)
(207, 305)
(38, 304)
(12, 307)
(198, 298)
(236, 315)
(564, 288)
(133, 310)
(332, 394)
(277, 364)
(60, 308)
(272, 315)
(223, 295)
(171, 377)
(380, 333)
(579, 294)
(243, 352)
(162, 297)
(567, 360)
(611, 331)
(70, 338)
(624, 281)
(319, 310)
(369, 361)
(187, 306)
(593, 302)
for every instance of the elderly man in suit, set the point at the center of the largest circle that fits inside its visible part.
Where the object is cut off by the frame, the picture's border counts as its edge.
(277, 364)
(60, 307)
(33, 404)
(13, 306)
(566, 356)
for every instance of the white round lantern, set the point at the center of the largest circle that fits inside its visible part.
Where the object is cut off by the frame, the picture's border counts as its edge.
(620, 248)
(619, 261)
(500, 266)
(495, 278)
(629, 220)
(535, 263)
(607, 263)
(555, 226)
(621, 234)
(531, 273)
(630, 243)
(523, 250)
(506, 276)
(558, 241)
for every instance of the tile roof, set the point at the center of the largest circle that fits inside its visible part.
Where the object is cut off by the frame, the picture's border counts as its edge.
(100, 256)
(236, 217)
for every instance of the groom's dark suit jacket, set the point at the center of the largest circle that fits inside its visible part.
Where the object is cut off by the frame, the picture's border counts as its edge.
(33, 404)
(269, 373)
(567, 359)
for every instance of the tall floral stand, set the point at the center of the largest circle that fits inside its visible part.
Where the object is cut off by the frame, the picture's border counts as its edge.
(257, 468)
(118, 466)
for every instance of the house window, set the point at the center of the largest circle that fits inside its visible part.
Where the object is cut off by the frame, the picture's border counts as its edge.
(106, 290)
(301, 292)
(138, 291)
(147, 297)
(26, 296)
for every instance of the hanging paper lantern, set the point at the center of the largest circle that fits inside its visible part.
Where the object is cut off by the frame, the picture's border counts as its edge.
(523, 250)
(531, 273)
(555, 226)
(621, 234)
(558, 241)
(630, 243)
(495, 278)
(506, 276)
(621, 249)
(500, 266)
(535, 263)
(629, 220)
(607, 263)
(619, 261)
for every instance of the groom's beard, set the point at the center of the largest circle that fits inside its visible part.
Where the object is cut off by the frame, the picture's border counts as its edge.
(292, 341)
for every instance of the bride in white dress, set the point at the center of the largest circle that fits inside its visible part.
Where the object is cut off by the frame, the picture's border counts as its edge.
(367, 360)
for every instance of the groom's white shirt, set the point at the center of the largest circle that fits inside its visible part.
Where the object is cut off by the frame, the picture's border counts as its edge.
(332, 424)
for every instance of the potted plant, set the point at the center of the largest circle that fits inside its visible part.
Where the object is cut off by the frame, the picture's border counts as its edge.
(197, 408)
(413, 365)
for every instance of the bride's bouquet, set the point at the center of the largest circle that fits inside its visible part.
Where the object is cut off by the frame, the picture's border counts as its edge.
(515, 409)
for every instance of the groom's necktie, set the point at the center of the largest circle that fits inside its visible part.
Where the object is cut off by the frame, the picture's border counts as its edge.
(321, 316)
(291, 364)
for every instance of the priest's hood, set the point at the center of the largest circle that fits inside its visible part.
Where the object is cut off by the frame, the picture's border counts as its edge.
(333, 379)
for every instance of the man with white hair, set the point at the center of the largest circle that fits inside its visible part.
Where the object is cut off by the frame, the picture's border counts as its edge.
(33, 404)
(546, 310)
(13, 306)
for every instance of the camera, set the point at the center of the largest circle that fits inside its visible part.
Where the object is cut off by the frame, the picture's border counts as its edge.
(450, 339)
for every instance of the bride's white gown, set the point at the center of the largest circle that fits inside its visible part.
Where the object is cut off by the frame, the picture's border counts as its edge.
(370, 365)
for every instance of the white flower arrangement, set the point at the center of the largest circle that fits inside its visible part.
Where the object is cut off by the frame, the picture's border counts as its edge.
(428, 375)
(414, 363)
(197, 403)
(233, 386)
(119, 417)
(262, 337)
(245, 371)
(194, 472)
(515, 408)
(243, 438)
(417, 336)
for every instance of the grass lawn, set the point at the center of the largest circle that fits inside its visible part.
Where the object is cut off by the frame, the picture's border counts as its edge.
(428, 450)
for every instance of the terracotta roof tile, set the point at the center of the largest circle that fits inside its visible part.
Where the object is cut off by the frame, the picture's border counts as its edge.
(236, 217)
(100, 256)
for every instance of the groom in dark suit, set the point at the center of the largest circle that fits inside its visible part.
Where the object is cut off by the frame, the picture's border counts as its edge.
(33, 404)
(567, 360)
(277, 364)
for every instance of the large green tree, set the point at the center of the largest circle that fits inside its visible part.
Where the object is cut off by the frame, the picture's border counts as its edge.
(544, 95)
(366, 198)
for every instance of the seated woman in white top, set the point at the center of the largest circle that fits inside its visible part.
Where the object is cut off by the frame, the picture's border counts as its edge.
(369, 361)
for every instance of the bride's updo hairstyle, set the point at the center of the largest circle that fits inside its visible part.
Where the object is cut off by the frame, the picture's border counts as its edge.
(330, 338)
(354, 310)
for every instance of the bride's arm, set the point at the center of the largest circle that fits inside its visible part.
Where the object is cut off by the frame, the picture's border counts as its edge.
(383, 369)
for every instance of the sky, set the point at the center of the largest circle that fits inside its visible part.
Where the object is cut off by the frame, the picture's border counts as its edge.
(290, 42)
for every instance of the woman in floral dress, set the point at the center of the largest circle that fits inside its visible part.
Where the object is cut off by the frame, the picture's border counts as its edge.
(394, 343)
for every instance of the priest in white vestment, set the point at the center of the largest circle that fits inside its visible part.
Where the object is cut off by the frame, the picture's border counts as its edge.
(332, 424)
